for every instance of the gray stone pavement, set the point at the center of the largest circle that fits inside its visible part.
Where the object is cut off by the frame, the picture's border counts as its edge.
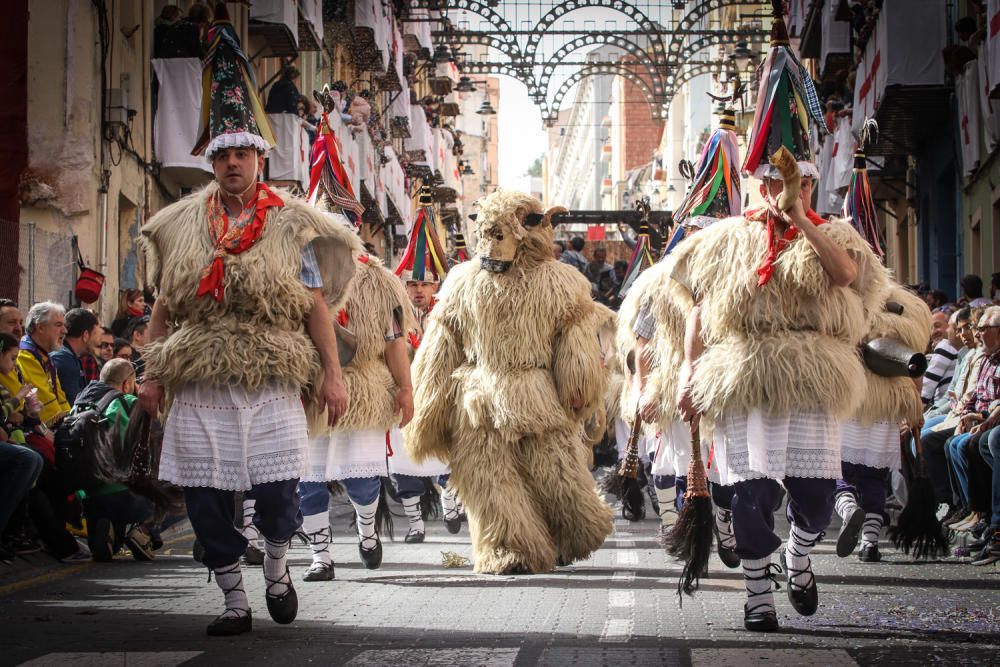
(618, 608)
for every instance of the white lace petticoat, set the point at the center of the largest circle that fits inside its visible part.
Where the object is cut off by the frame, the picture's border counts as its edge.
(226, 437)
(346, 455)
(799, 444)
(876, 445)
(400, 462)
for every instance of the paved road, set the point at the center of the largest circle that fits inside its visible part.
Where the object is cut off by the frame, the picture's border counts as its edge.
(617, 608)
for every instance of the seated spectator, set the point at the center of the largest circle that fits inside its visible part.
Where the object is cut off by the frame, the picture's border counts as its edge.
(46, 326)
(104, 346)
(20, 465)
(115, 515)
(11, 321)
(974, 410)
(941, 364)
(74, 363)
(966, 365)
(558, 248)
(137, 334)
(972, 291)
(284, 95)
(989, 450)
(122, 349)
(131, 303)
(936, 299)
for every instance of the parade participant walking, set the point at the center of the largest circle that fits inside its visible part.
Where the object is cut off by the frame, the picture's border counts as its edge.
(246, 275)
(779, 300)
(507, 374)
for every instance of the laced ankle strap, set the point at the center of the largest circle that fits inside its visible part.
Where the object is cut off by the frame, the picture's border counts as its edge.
(369, 543)
(320, 537)
(771, 571)
(284, 580)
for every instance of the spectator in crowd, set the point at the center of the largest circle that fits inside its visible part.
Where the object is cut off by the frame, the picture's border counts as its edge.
(966, 365)
(163, 32)
(46, 326)
(558, 248)
(284, 95)
(114, 514)
(11, 321)
(123, 349)
(989, 450)
(104, 346)
(74, 363)
(973, 411)
(137, 337)
(939, 329)
(601, 275)
(621, 268)
(185, 38)
(941, 364)
(936, 299)
(131, 303)
(20, 465)
(574, 256)
(307, 112)
(972, 291)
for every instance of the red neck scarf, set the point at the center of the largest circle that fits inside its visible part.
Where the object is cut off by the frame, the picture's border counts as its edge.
(233, 239)
(776, 245)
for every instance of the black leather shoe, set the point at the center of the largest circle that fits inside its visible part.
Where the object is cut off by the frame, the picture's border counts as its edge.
(282, 608)
(319, 572)
(728, 556)
(805, 599)
(453, 525)
(414, 537)
(850, 530)
(760, 621)
(869, 553)
(227, 626)
(372, 558)
(253, 555)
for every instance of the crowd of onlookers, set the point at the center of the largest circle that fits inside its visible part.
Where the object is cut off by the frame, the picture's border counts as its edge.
(605, 279)
(960, 437)
(56, 364)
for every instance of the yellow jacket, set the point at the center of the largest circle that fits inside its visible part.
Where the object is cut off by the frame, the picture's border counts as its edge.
(10, 382)
(50, 392)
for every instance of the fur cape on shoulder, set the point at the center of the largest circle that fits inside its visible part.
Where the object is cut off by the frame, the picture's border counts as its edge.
(787, 345)
(896, 399)
(257, 333)
(377, 296)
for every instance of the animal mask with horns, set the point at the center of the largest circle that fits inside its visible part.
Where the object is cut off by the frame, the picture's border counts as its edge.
(513, 230)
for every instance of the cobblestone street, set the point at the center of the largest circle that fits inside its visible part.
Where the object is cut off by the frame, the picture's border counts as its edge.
(618, 608)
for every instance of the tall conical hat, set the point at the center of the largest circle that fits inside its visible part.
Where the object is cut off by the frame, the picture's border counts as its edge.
(715, 192)
(786, 100)
(231, 113)
(859, 205)
(424, 259)
(327, 176)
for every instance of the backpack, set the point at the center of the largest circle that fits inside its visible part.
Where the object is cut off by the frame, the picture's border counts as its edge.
(88, 449)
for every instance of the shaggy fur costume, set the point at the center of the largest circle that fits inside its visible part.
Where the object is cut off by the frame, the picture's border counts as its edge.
(375, 296)
(896, 399)
(257, 332)
(790, 344)
(502, 358)
(604, 423)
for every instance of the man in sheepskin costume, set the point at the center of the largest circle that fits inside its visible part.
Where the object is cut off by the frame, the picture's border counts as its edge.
(239, 332)
(353, 452)
(508, 372)
(869, 446)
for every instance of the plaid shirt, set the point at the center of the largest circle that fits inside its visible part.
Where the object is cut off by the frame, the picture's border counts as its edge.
(91, 369)
(987, 390)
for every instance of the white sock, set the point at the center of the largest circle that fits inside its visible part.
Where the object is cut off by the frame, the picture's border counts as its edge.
(757, 579)
(249, 530)
(412, 508)
(845, 504)
(724, 524)
(229, 579)
(797, 562)
(366, 523)
(317, 527)
(449, 503)
(872, 529)
(276, 576)
(668, 508)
